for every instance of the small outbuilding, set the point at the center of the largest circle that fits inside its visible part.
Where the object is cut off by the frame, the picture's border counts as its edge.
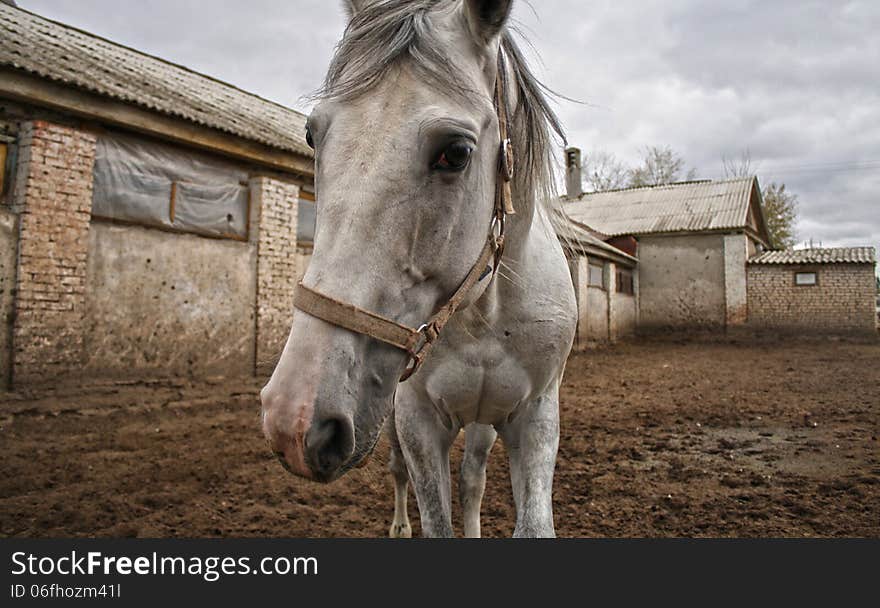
(810, 291)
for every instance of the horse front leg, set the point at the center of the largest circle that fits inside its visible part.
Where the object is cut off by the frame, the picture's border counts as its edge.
(532, 440)
(425, 441)
(479, 439)
(400, 526)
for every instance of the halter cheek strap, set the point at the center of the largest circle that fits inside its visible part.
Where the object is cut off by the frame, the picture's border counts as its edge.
(417, 343)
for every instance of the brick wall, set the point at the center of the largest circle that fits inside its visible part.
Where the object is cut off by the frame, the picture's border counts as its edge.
(276, 264)
(843, 299)
(8, 272)
(53, 195)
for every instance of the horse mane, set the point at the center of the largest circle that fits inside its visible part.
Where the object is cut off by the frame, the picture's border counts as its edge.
(384, 33)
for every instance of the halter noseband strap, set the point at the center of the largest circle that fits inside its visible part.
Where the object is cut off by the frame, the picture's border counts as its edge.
(418, 342)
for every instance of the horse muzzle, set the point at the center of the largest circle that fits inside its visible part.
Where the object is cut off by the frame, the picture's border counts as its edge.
(313, 446)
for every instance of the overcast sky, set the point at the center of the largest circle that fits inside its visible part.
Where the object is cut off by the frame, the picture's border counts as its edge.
(797, 83)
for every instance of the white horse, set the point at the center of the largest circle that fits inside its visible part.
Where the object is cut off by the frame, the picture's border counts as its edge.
(411, 175)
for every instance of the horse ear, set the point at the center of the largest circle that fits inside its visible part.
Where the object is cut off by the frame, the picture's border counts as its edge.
(486, 18)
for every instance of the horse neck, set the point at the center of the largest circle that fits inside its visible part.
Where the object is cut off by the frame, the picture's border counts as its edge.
(521, 223)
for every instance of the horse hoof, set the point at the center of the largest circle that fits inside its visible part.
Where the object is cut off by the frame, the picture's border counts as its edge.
(400, 531)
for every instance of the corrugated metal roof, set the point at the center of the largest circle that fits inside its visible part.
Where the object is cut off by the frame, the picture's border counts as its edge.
(67, 55)
(684, 207)
(577, 235)
(839, 255)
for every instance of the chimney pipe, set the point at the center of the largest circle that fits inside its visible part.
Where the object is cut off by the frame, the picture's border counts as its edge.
(573, 185)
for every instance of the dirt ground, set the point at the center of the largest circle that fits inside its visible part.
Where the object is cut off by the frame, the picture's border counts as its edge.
(658, 439)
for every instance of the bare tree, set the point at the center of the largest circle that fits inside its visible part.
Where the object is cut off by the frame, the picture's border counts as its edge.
(602, 172)
(738, 167)
(780, 212)
(660, 166)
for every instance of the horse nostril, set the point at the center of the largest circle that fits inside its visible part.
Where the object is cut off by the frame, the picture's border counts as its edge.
(329, 445)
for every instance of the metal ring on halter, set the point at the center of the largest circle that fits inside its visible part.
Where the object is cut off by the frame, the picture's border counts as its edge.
(415, 354)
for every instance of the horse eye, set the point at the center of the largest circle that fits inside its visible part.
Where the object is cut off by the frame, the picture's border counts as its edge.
(309, 139)
(455, 157)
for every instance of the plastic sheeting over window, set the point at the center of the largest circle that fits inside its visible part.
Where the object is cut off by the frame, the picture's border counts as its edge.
(159, 185)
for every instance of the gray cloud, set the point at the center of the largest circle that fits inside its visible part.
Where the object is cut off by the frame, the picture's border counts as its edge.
(794, 82)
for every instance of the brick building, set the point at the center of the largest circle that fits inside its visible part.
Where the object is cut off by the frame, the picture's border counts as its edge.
(149, 213)
(811, 290)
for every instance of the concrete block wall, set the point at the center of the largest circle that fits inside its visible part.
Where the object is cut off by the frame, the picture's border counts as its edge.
(625, 311)
(610, 278)
(53, 198)
(736, 252)
(168, 304)
(578, 268)
(277, 263)
(682, 282)
(842, 301)
(603, 314)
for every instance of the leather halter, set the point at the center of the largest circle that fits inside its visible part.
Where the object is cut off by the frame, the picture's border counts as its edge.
(417, 343)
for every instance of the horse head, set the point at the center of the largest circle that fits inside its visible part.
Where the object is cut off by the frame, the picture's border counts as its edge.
(406, 138)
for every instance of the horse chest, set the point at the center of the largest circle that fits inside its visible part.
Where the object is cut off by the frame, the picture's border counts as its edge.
(484, 378)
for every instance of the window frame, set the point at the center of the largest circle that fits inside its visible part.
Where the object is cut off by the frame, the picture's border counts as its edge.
(601, 268)
(798, 273)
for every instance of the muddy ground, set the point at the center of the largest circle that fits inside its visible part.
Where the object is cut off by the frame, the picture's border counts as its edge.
(658, 439)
